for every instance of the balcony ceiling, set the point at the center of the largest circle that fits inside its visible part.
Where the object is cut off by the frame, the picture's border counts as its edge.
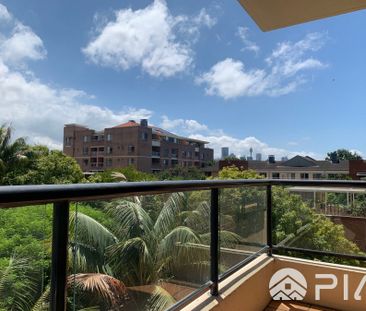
(274, 14)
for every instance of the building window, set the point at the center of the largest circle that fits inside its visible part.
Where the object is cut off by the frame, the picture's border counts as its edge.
(276, 175)
(317, 176)
(131, 161)
(304, 176)
(264, 175)
(109, 137)
(165, 162)
(85, 150)
(85, 162)
(109, 150)
(144, 136)
(109, 162)
(68, 141)
(85, 139)
(166, 152)
(293, 176)
(184, 154)
(131, 148)
(174, 153)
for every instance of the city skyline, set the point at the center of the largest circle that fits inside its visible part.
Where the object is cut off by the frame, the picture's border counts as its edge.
(292, 91)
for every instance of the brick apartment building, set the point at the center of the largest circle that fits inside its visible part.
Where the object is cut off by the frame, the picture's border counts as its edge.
(148, 148)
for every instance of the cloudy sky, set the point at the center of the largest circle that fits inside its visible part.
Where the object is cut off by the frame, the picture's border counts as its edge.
(196, 68)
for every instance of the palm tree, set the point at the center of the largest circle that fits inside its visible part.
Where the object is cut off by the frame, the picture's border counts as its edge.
(11, 152)
(19, 285)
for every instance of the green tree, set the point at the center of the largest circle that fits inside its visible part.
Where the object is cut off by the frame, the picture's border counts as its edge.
(53, 167)
(233, 172)
(12, 158)
(341, 155)
(129, 173)
(181, 173)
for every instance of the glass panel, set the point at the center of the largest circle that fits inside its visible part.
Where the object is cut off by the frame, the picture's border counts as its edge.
(25, 257)
(242, 224)
(139, 253)
(320, 219)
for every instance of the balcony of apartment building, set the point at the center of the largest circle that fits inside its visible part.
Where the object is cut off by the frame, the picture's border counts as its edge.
(155, 153)
(155, 140)
(226, 242)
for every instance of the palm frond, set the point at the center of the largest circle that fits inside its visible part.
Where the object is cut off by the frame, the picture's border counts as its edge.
(160, 300)
(133, 260)
(106, 287)
(20, 275)
(132, 218)
(168, 217)
(226, 238)
(177, 247)
(118, 176)
(43, 302)
(91, 232)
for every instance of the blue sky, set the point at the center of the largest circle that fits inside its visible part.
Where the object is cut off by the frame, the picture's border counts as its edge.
(196, 68)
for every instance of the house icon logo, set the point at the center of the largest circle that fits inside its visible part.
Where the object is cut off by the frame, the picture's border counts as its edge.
(288, 284)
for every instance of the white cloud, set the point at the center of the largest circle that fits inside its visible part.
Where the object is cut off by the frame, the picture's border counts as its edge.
(183, 126)
(218, 139)
(203, 18)
(4, 14)
(18, 43)
(228, 79)
(39, 111)
(35, 109)
(283, 74)
(22, 45)
(149, 38)
(249, 45)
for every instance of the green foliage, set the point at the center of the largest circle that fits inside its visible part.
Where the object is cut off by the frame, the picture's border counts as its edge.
(23, 164)
(297, 225)
(130, 173)
(233, 172)
(54, 167)
(181, 173)
(342, 154)
(12, 159)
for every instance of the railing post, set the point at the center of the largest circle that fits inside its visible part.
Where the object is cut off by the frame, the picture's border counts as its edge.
(60, 236)
(269, 220)
(214, 247)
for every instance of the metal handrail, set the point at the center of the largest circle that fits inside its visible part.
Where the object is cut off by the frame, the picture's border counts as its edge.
(42, 194)
(62, 195)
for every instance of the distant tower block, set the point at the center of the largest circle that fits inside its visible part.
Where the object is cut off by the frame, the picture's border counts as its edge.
(258, 157)
(224, 152)
(251, 152)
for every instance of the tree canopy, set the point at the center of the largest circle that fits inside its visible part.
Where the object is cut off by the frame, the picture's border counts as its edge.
(342, 154)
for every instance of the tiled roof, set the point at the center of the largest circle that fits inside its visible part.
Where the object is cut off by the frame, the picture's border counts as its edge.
(160, 131)
(127, 124)
(283, 166)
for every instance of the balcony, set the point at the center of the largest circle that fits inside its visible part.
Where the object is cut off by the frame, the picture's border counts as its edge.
(155, 143)
(155, 154)
(224, 252)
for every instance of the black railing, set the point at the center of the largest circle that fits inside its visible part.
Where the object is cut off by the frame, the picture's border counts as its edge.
(62, 195)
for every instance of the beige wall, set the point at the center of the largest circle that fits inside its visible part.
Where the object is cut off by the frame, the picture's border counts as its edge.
(248, 289)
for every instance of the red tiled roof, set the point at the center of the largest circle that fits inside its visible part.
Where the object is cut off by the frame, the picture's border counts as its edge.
(127, 124)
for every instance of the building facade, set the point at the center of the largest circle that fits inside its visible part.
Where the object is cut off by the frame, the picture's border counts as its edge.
(147, 148)
(300, 167)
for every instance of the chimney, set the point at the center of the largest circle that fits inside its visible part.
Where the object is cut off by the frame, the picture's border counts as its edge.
(271, 159)
(143, 122)
(132, 121)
